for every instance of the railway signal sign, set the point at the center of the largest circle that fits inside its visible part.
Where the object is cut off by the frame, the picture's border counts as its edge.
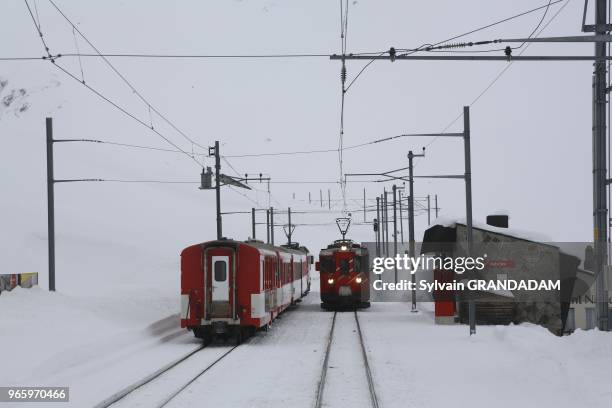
(227, 180)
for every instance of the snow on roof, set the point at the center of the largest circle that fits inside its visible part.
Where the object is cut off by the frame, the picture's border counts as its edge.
(501, 211)
(513, 232)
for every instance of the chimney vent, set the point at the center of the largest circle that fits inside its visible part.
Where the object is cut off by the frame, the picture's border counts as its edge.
(498, 220)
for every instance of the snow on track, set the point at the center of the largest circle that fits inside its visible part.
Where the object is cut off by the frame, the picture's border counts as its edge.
(279, 368)
(346, 381)
(158, 391)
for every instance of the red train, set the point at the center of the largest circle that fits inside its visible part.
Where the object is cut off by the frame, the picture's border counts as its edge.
(231, 288)
(345, 278)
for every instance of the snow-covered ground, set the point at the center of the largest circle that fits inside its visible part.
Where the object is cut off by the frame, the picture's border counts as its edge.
(98, 345)
(418, 364)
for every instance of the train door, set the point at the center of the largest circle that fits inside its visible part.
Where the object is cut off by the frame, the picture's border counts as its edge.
(220, 274)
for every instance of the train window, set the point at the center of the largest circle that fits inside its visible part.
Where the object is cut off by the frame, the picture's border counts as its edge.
(327, 264)
(220, 271)
(344, 266)
(357, 264)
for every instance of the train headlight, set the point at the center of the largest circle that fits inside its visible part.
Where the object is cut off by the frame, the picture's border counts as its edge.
(343, 248)
(330, 281)
(358, 279)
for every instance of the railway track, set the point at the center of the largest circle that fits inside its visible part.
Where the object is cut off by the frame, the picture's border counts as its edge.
(129, 395)
(320, 397)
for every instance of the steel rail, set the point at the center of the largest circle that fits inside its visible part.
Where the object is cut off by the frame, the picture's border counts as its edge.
(319, 396)
(118, 396)
(177, 392)
(366, 364)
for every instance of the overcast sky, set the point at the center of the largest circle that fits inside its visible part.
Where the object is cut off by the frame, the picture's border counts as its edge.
(531, 132)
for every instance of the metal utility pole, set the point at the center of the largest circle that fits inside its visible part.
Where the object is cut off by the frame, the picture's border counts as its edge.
(381, 225)
(428, 210)
(290, 229)
(253, 222)
(411, 244)
(600, 183)
(272, 225)
(267, 226)
(401, 219)
(378, 223)
(328, 199)
(386, 209)
(364, 205)
(468, 205)
(321, 197)
(50, 204)
(395, 227)
(218, 188)
(436, 206)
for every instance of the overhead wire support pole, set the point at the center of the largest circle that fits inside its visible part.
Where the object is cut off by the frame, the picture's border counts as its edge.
(364, 205)
(468, 206)
(50, 204)
(436, 203)
(386, 209)
(272, 225)
(289, 220)
(401, 219)
(218, 188)
(377, 225)
(600, 210)
(267, 226)
(253, 223)
(395, 227)
(411, 243)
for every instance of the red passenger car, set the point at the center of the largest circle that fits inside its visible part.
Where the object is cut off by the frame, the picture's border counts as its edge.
(231, 288)
(344, 267)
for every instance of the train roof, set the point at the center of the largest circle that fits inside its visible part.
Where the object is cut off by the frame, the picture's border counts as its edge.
(283, 248)
(349, 244)
(344, 242)
(254, 243)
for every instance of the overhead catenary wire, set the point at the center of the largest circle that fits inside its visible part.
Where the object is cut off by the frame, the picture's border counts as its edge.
(426, 46)
(38, 29)
(127, 113)
(539, 24)
(344, 90)
(98, 93)
(43, 58)
(124, 79)
(533, 10)
(132, 146)
(501, 73)
(199, 56)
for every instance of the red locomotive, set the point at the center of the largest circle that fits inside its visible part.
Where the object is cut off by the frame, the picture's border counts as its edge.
(344, 267)
(231, 288)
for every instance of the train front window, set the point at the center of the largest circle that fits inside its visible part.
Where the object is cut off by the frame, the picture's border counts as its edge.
(327, 264)
(344, 266)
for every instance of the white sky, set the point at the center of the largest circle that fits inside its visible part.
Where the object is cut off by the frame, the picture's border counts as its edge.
(531, 132)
